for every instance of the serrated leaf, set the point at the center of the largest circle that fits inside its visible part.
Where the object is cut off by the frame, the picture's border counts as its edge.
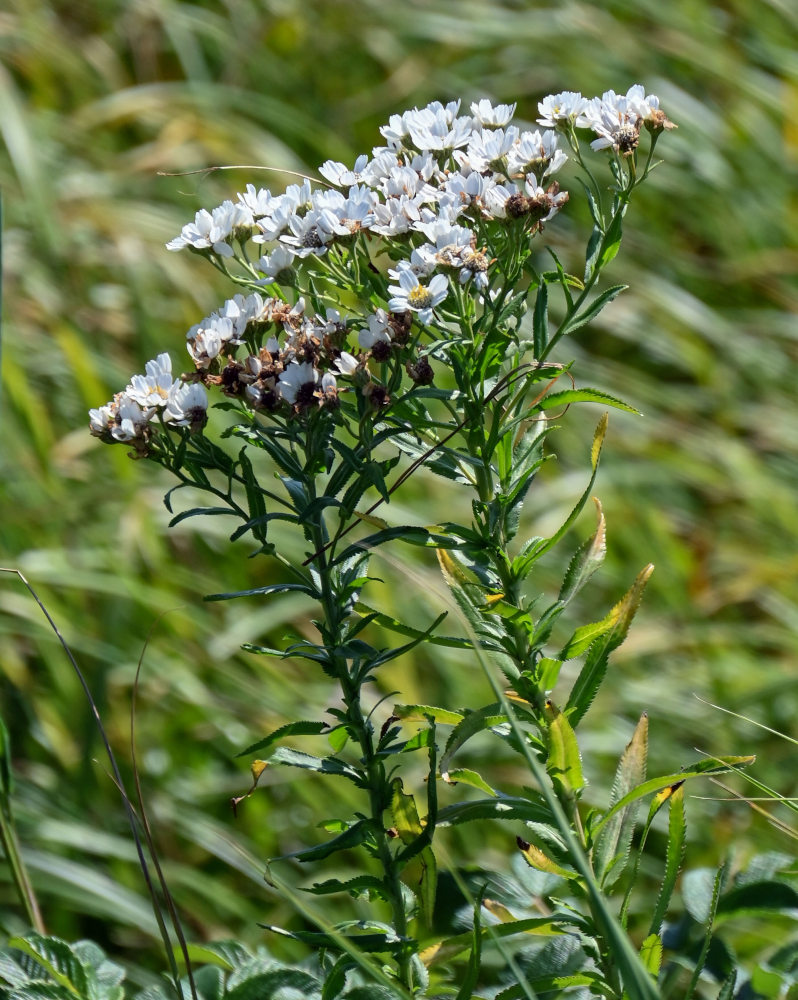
(274, 588)
(266, 985)
(709, 765)
(564, 762)
(674, 856)
(58, 960)
(651, 954)
(586, 560)
(354, 886)
(502, 807)
(448, 948)
(540, 861)
(727, 989)
(349, 838)
(595, 666)
(442, 716)
(301, 728)
(584, 637)
(465, 776)
(567, 396)
(474, 722)
(322, 765)
(612, 847)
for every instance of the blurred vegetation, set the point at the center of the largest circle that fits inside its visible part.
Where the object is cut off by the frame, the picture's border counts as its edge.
(102, 104)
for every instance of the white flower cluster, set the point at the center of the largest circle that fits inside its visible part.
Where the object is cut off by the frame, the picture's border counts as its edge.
(615, 118)
(152, 396)
(437, 167)
(439, 195)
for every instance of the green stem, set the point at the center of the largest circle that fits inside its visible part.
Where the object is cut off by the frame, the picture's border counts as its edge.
(576, 305)
(362, 730)
(19, 873)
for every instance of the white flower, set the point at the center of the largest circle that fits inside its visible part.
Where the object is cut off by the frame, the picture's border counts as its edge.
(614, 120)
(538, 153)
(103, 419)
(486, 114)
(379, 331)
(312, 233)
(153, 388)
(489, 150)
(131, 419)
(206, 340)
(260, 202)
(434, 117)
(213, 230)
(342, 176)
(561, 108)
(277, 266)
(396, 216)
(475, 265)
(422, 263)
(346, 363)
(411, 294)
(187, 405)
(297, 382)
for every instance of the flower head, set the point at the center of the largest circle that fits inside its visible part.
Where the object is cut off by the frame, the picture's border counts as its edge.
(411, 294)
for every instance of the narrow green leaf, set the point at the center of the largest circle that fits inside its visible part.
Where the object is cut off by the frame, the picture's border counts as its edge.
(301, 728)
(322, 765)
(595, 666)
(350, 838)
(465, 776)
(381, 942)
(727, 989)
(274, 588)
(674, 856)
(394, 625)
(567, 396)
(710, 765)
(586, 560)
(584, 637)
(588, 314)
(469, 980)
(197, 511)
(593, 250)
(474, 722)
(354, 886)
(421, 712)
(448, 948)
(564, 763)
(613, 844)
(502, 807)
(544, 545)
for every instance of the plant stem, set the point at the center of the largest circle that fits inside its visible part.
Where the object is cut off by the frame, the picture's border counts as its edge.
(362, 730)
(19, 873)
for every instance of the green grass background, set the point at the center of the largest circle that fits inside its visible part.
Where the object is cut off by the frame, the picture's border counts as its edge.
(98, 100)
